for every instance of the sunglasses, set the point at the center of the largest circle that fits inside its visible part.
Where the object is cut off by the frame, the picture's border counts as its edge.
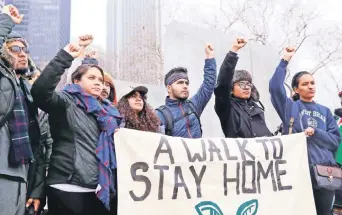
(244, 84)
(18, 49)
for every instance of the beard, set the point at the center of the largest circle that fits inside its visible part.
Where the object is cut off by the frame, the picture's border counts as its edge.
(180, 96)
(104, 94)
(21, 71)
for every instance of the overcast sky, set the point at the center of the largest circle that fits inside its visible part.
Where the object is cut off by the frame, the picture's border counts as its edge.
(89, 16)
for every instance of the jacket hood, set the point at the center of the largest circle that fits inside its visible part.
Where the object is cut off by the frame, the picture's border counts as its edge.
(112, 94)
(8, 59)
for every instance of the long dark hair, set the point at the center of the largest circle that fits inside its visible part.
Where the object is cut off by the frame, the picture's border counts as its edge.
(295, 83)
(83, 69)
(146, 120)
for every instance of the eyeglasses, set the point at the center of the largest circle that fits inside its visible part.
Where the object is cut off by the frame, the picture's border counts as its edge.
(18, 49)
(244, 84)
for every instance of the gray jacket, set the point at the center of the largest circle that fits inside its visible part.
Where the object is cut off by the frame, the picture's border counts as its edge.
(33, 174)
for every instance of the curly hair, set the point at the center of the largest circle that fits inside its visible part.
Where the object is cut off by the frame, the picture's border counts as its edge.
(146, 120)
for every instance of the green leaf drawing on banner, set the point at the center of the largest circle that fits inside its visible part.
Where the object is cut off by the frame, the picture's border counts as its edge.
(248, 208)
(209, 206)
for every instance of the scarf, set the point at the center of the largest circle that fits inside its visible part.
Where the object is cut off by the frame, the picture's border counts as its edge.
(20, 149)
(108, 119)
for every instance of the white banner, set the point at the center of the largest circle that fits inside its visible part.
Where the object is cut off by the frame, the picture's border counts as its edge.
(161, 175)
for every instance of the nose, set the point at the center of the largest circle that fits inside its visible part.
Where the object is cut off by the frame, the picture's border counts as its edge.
(22, 53)
(98, 82)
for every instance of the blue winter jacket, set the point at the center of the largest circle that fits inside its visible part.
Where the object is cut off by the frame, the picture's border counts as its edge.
(189, 126)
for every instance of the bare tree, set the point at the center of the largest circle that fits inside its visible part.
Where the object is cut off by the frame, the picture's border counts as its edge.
(257, 20)
(329, 47)
(230, 13)
(142, 56)
(278, 24)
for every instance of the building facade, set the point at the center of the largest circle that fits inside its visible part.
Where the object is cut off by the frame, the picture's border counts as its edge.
(134, 41)
(46, 26)
(2, 3)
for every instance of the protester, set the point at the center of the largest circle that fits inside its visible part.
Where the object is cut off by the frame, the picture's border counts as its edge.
(236, 99)
(338, 114)
(338, 193)
(138, 114)
(45, 140)
(108, 91)
(303, 114)
(80, 179)
(180, 116)
(22, 171)
(43, 119)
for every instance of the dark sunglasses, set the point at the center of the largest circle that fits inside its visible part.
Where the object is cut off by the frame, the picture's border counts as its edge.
(18, 49)
(244, 84)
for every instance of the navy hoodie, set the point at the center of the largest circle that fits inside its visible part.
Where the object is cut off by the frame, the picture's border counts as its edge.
(324, 143)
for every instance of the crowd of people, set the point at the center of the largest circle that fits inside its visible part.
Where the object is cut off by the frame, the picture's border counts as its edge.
(59, 145)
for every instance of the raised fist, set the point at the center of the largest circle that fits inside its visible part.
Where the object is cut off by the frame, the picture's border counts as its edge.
(288, 53)
(13, 12)
(209, 51)
(238, 44)
(74, 50)
(91, 54)
(85, 40)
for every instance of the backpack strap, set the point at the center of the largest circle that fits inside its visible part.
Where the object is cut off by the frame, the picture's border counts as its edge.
(291, 125)
(165, 111)
(193, 110)
(169, 120)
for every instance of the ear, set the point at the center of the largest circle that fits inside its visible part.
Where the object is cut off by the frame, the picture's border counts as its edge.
(295, 90)
(76, 81)
(169, 89)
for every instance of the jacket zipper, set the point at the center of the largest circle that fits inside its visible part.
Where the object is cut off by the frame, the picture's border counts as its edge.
(187, 120)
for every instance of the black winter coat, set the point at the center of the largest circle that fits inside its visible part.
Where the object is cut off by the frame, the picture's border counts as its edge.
(74, 132)
(238, 117)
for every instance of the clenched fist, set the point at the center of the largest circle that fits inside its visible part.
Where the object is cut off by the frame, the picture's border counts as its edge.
(209, 51)
(91, 54)
(74, 50)
(13, 12)
(85, 40)
(309, 131)
(238, 44)
(288, 53)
